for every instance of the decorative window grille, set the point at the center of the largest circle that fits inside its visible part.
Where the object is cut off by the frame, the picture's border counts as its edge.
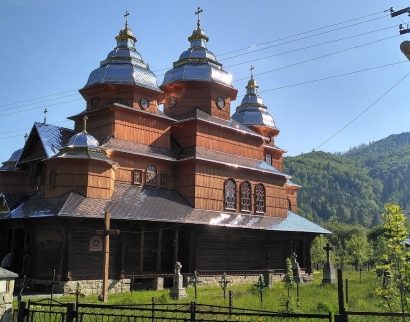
(260, 198)
(230, 194)
(245, 196)
(135, 245)
(163, 180)
(96, 244)
(137, 177)
(151, 176)
(268, 159)
(289, 204)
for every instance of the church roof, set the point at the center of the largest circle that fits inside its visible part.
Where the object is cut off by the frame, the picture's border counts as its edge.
(10, 164)
(124, 65)
(52, 139)
(203, 116)
(197, 63)
(131, 202)
(252, 110)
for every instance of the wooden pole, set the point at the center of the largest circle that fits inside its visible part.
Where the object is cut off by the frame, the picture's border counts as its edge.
(141, 267)
(106, 258)
(176, 242)
(159, 243)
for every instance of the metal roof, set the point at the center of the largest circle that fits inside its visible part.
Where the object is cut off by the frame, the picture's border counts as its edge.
(131, 202)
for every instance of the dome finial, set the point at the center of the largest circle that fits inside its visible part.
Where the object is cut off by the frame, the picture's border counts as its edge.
(251, 69)
(126, 18)
(199, 19)
(85, 123)
(45, 115)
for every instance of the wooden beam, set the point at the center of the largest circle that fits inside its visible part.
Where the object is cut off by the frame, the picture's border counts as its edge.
(25, 252)
(176, 245)
(122, 274)
(141, 266)
(159, 248)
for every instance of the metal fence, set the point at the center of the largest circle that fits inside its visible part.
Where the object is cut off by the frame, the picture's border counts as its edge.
(46, 310)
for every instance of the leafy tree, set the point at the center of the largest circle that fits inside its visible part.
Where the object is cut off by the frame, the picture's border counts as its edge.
(318, 255)
(395, 289)
(358, 250)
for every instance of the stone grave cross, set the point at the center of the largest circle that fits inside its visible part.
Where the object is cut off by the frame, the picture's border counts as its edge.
(328, 248)
(106, 254)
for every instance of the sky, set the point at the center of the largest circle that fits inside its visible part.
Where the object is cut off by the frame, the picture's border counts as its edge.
(330, 72)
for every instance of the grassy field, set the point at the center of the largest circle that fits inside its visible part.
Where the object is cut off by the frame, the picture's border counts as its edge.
(313, 297)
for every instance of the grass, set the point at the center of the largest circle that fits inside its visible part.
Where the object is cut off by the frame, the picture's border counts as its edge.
(314, 297)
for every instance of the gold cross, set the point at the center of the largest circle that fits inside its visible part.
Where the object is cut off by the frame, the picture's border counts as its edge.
(85, 123)
(251, 69)
(198, 13)
(126, 18)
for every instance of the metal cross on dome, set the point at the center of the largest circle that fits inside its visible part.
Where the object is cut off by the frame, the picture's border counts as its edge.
(251, 69)
(199, 19)
(45, 115)
(126, 18)
(85, 123)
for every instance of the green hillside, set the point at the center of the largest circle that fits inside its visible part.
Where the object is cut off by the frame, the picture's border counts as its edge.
(353, 186)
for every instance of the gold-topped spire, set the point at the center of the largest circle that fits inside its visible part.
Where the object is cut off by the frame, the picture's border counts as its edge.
(85, 123)
(199, 19)
(45, 115)
(126, 18)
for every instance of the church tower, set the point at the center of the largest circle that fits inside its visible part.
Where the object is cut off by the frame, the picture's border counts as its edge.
(197, 81)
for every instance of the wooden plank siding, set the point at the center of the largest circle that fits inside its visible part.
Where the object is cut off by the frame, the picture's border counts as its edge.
(209, 191)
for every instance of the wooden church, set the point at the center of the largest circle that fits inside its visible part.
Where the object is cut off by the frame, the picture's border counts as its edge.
(190, 183)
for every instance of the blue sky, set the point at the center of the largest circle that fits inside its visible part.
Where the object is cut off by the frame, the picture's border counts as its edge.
(49, 48)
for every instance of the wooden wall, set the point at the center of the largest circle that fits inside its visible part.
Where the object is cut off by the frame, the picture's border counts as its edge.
(209, 192)
(15, 182)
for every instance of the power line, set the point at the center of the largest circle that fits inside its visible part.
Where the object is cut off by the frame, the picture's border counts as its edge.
(365, 110)
(264, 91)
(65, 92)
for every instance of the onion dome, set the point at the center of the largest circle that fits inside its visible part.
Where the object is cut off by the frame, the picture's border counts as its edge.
(124, 65)
(83, 146)
(197, 63)
(253, 113)
(10, 164)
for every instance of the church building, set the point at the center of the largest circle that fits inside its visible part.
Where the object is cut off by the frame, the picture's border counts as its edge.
(193, 183)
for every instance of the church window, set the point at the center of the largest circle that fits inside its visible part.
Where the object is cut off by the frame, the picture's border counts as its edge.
(135, 245)
(245, 196)
(289, 204)
(137, 177)
(151, 176)
(96, 244)
(230, 194)
(268, 159)
(260, 198)
(52, 179)
(164, 180)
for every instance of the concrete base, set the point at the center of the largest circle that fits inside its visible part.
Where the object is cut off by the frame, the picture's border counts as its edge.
(177, 291)
(328, 274)
(158, 284)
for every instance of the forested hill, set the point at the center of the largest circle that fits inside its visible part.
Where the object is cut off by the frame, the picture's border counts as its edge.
(353, 186)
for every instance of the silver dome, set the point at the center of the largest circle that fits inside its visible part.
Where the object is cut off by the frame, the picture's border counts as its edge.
(197, 64)
(252, 111)
(124, 65)
(83, 140)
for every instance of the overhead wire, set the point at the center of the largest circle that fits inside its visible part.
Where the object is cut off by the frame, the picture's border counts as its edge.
(75, 90)
(364, 111)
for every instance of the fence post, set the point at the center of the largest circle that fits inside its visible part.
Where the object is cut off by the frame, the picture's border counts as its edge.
(70, 312)
(22, 311)
(347, 290)
(153, 309)
(341, 317)
(193, 309)
(230, 303)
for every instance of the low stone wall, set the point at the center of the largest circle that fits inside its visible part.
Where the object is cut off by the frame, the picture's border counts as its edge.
(238, 279)
(87, 287)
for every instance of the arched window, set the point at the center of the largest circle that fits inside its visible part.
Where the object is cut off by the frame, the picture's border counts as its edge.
(260, 198)
(289, 204)
(151, 176)
(230, 194)
(245, 196)
(96, 244)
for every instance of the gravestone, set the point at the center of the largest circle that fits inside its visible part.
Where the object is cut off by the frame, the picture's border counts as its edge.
(329, 276)
(6, 294)
(297, 273)
(177, 291)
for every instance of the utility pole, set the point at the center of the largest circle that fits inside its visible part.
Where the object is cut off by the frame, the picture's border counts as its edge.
(405, 45)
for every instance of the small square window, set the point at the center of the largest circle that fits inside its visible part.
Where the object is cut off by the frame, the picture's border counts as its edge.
(137, 177)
